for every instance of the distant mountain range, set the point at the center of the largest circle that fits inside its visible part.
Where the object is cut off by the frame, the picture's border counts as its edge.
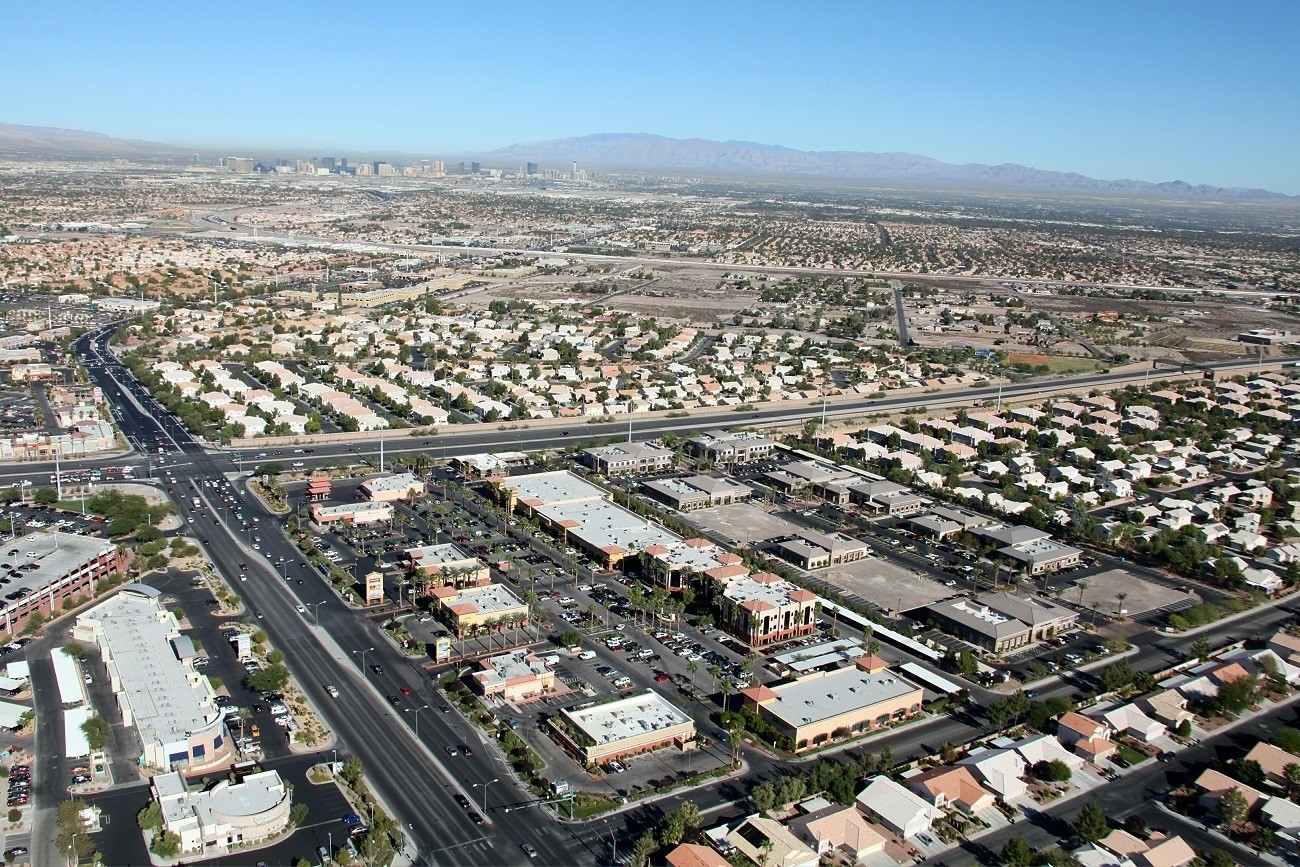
(652, 152)
(641, 151)
(48, 138)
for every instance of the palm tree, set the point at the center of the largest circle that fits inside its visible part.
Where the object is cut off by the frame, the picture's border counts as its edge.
(715, 672)
(1082, 584)
(726, 695)
(1094, 605)
(1119, 602)
(692, 667)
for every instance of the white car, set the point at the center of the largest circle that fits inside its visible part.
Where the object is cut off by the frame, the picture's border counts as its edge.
(302, 610)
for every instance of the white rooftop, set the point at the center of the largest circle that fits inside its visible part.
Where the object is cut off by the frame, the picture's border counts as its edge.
(168, 699)
(626, 718)
(813, 699)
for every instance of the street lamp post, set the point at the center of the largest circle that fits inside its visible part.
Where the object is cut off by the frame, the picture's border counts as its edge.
(484, 787)
(363, 657)
(416, 711)
(315, 610)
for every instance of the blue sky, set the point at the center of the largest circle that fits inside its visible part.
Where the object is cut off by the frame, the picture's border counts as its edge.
(1196, 91)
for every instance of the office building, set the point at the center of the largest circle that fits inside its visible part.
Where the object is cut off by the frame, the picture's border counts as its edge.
(624, 458)
(445, 565)
(600, 733)
(358, 514)
(150, 668)
(471, 610)
(229, 815)
(516, 676)
(1002, 621)
(728, 447)
(764, 608)
(389, 489)
(821, 706)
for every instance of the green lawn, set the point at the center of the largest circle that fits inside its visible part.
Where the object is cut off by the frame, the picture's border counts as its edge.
(1131, 755)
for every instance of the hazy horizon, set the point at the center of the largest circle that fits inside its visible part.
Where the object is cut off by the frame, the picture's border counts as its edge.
(1153, 93)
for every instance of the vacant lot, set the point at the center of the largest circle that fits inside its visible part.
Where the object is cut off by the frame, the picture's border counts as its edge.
(1142, 596)
(884, 584)
(743, 523)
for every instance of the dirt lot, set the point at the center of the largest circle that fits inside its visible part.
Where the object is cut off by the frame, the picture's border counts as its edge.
(1142, 595)
(742, 523)
(884, 584)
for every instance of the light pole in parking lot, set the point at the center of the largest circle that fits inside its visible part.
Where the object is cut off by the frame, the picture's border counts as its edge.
(315, 610)
(416, 711)
(363, 657)
(484, 787)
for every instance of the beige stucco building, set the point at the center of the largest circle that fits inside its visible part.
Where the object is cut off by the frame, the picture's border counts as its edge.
(822, 706)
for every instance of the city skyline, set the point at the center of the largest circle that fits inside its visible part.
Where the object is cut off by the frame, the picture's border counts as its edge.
(1103, 97)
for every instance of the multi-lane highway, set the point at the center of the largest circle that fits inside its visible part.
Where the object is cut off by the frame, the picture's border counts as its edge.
(416, 779)
(332, 644)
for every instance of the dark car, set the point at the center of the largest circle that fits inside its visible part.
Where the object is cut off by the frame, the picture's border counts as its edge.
(351, 819)
(377, 669)
(394, 700)
(464, 748)
(475, 818)
(462, 801)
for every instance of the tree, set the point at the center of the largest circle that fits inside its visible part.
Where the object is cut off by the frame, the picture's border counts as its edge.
(73, 840)
(1016, 853)
(1232, 808)
(1250, 772)
(73, 649)
(270, 679)
(166, 845)
(45, 496)
(1237, 695)
(763, 796)
(1055, 771)
(1291, 774)
(96, 731)
(150, 818)
(1091, 825)
(297, 813)
(1184, 729)
(642, 849)
(1288, 739)
(1201, 648)
(967, 665)
(351, 772)
(1218, 858)
(1119, 602)
(1116, 676)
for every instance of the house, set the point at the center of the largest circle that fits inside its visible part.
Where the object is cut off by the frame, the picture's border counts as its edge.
(1168, 706)
(695, 855)
(766, 841)
(1170, 852)
(1286, 646)
(1129, 719)
(1273, 760)
(1045, 748)
(1001, 771)
(836, 827)
(898, 809)
(947, 786)
(1283, 815)
(1215, 784)
(1087, 737)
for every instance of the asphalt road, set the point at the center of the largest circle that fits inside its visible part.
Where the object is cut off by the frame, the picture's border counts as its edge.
(1138, 791)
(415, 779)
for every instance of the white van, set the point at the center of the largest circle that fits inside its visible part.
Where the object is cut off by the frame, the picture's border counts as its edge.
(587, 655)
(550, 660)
